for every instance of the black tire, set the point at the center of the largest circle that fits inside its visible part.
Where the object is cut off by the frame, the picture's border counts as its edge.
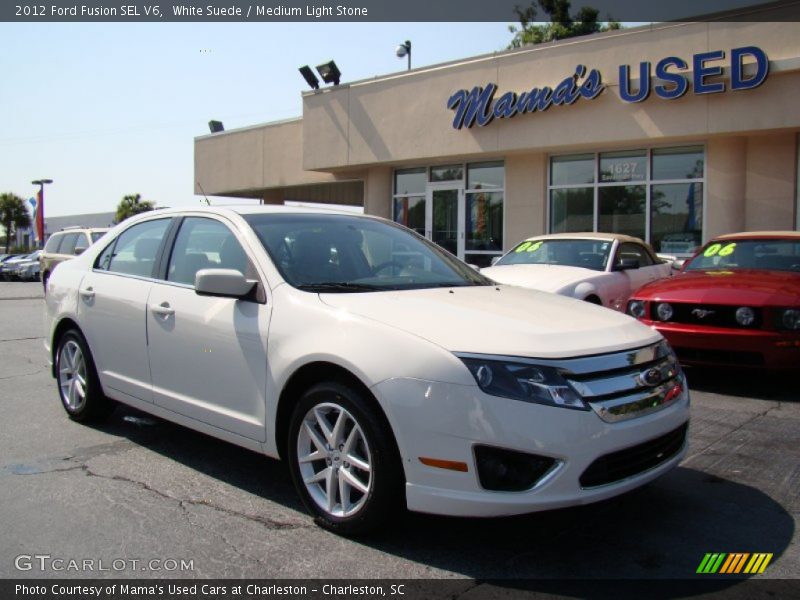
(372, 445)
(76, 375)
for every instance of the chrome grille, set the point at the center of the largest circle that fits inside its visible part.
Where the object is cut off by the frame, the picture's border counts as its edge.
(629, 384)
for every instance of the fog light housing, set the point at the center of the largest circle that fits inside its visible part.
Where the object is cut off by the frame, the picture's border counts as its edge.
(664, 311)
(504, 470)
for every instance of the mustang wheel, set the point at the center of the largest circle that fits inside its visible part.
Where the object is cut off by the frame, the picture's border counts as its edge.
(76, 376)
(343, 460)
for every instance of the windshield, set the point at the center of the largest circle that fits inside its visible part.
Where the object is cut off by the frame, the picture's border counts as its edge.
(342, 253)
(767, 254)
(589, 254)
(96, 235)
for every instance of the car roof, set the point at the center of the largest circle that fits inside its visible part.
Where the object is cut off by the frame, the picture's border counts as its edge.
(252, 209)
(588, 235)
(759, 234)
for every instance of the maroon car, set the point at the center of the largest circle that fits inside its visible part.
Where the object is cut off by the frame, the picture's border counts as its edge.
(736, 302)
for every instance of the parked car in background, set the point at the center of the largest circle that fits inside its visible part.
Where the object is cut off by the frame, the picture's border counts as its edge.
(736, 302)
(28, 270)
(8, 268)
(384, 370)
(602, 268)
(65, 244)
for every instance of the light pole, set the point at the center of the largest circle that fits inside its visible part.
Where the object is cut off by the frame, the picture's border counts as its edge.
(404, 50)
(40, 209)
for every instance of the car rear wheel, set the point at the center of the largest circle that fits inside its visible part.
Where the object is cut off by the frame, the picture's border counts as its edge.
(76, 376)
(343, 460)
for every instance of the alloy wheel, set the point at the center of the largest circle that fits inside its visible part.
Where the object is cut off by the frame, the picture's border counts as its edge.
(334, 460)
(72, 375)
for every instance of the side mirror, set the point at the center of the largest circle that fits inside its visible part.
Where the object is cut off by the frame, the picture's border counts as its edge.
(495, 259)
(677, 264)
(80, 250)
(626, 264)
(224, 283)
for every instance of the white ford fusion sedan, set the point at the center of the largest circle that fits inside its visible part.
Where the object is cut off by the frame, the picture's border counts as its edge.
(385, 371)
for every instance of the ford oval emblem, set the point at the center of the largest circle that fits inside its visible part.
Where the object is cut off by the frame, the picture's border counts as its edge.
(652, 376)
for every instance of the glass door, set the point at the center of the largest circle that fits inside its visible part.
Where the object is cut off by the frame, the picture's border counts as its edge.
(445, 217)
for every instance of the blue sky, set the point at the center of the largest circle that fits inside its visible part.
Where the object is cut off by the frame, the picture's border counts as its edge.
(108, 109)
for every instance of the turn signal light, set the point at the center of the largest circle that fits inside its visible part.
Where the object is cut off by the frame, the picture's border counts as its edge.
(451, 465)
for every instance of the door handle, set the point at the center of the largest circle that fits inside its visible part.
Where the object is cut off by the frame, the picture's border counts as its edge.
(163, 310)
(87, 294)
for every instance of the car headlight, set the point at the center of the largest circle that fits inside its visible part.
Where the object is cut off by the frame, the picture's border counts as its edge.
(745, 316)
(789, 318)
(636, 308)
(664, 311)
(522, 381)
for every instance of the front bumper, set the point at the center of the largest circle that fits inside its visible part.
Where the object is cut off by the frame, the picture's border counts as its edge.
(718, 346)
(446, 422)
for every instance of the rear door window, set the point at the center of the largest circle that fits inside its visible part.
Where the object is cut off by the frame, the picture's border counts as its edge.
(136, 249)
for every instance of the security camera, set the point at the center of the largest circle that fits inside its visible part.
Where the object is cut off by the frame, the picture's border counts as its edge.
(401, 51)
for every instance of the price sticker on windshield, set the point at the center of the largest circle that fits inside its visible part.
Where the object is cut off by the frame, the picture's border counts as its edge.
(522, 247)
(535, 246)
(719, 249)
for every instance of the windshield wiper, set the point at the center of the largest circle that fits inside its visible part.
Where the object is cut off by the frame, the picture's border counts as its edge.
(338, 286)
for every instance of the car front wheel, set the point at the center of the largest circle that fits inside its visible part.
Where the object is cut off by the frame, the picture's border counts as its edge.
(78, 385)
(343, 460)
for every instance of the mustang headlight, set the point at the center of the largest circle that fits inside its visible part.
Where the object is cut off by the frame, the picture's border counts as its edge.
(636, 308)
(789, 318)
(522, 381)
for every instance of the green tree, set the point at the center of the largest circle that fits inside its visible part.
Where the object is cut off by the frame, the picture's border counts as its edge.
(13, 215)
(561, 24)
(132, 205)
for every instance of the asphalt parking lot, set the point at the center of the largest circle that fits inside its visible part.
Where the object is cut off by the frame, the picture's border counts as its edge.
(138, 488)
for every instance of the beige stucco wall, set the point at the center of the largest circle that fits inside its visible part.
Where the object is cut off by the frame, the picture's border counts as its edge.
(252, 159)
(404, 118)
(771, 178)
(364, 130)
(525, 196)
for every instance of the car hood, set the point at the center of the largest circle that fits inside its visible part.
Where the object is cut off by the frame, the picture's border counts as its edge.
(742, 286)
(500, 320)
(549, 278)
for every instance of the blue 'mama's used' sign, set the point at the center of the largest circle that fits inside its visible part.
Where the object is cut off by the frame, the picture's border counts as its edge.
(479, 106)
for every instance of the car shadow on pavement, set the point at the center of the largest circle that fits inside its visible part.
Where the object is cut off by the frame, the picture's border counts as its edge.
(780, 386)
(660, 531)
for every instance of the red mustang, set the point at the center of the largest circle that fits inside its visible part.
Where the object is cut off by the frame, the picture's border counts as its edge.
(736, 303)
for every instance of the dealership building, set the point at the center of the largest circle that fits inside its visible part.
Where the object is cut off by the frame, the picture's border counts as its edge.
(670, 132)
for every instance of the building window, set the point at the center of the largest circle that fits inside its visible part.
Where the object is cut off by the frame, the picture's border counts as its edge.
(654, 194)
(409, 198)
(466, 212)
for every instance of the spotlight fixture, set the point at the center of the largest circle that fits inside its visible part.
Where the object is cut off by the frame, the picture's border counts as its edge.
(329, 72)
(309, 76)
(404, 50)
(215, 126)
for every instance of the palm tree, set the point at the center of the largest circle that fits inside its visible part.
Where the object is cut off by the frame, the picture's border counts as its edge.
(13, 215)
(130, 205)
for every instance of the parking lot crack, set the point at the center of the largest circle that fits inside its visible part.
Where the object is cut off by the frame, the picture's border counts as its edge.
(18, 375)
(269, 523)
(755, 417)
